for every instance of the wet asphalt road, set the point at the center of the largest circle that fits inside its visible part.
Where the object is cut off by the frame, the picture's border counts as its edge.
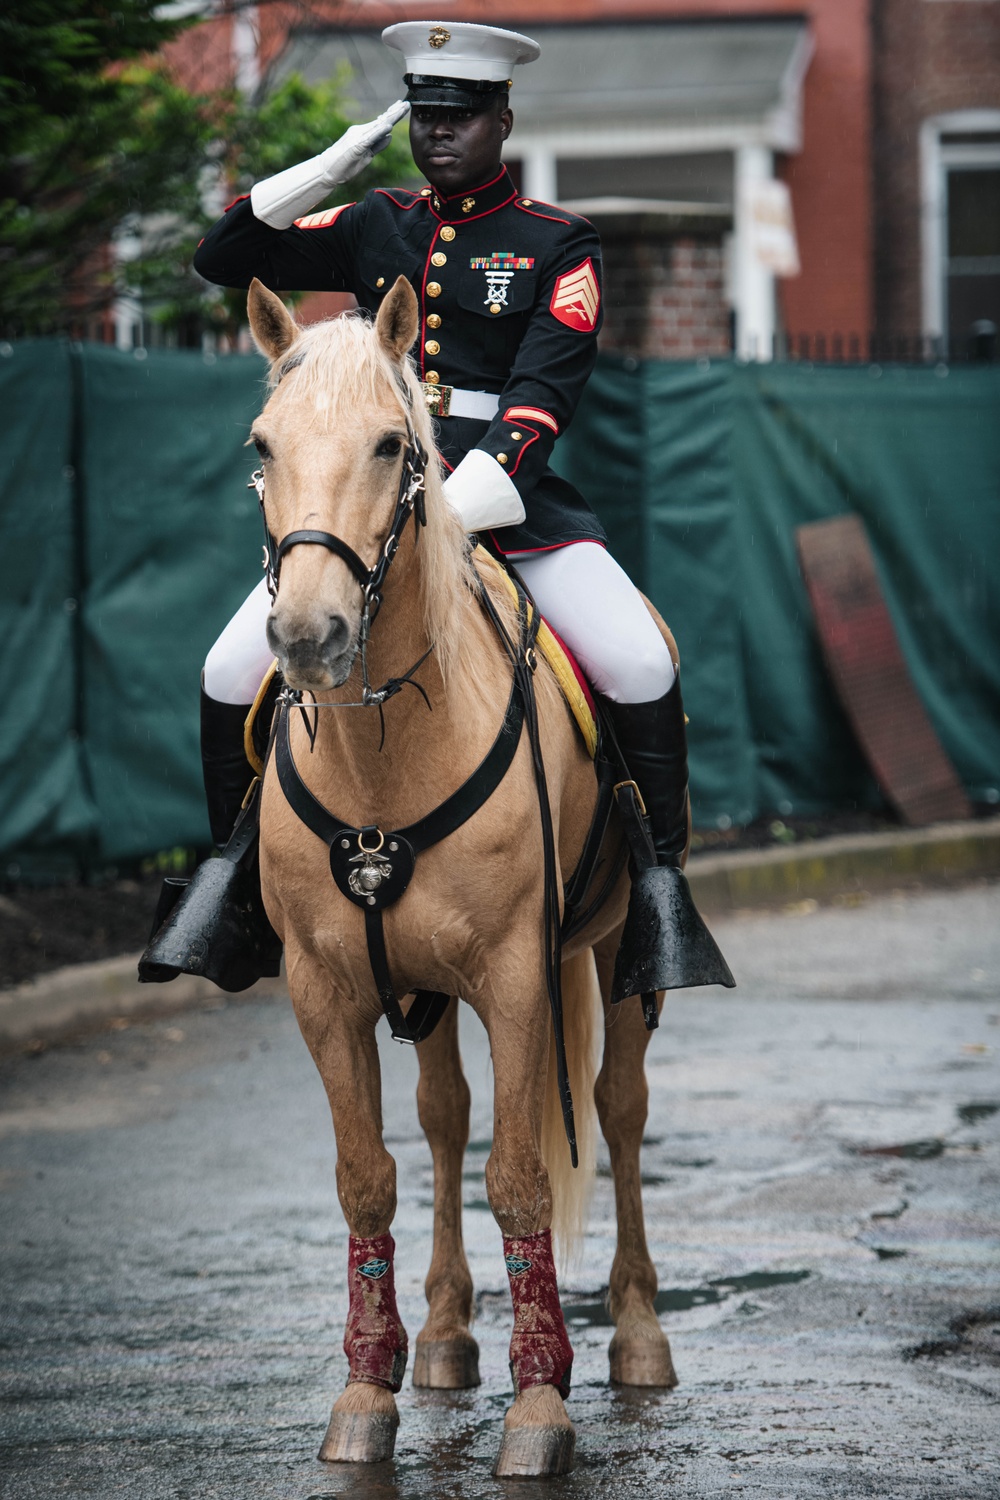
(823, 1193)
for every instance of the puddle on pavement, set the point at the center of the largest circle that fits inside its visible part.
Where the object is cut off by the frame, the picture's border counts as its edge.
(913, 1150)
(971, 1114)
(755, 1280)
(593, 1312)
(892, 1213)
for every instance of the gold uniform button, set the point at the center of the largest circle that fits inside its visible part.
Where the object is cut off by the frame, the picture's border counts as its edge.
(432, 377)
(432, 346)
(527, 202)
(434, 321)
(439, 258)
(433, 289)
(447, 232)
(425, 192)
(494, 307)
(381, 281)
(516, 436)
(501, 458)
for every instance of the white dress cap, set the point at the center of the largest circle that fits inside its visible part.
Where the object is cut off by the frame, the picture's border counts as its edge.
(460, 49)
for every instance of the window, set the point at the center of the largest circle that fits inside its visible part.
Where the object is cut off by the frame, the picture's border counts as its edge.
(972, 264)
(961, 224)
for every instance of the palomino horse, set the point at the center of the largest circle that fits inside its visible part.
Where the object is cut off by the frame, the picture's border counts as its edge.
(333, 438)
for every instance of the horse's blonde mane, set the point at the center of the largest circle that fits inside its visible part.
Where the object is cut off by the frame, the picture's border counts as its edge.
(341, 367)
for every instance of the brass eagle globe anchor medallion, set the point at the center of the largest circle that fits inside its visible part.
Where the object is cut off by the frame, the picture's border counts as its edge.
(373, 869)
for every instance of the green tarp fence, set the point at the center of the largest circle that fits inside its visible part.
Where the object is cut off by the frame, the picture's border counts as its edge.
(130, 539)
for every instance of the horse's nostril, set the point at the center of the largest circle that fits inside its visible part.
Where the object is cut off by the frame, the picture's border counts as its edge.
(338, 633)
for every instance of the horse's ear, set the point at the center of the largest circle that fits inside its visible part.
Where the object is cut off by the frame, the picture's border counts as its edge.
(398, 319)
(272, 325)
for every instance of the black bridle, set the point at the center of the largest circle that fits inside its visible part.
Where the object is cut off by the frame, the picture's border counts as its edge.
(409, 502)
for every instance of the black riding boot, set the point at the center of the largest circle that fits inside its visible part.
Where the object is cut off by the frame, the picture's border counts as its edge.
(225, 769)
(214, 925)
(665, 944)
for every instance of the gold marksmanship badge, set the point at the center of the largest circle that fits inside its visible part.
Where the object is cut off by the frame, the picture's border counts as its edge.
(439, 35)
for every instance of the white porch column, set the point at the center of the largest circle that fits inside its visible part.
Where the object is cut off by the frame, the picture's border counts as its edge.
(753, 283)
(246, 61)
(539, 177)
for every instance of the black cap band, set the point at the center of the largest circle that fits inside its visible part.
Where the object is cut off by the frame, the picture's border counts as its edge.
(452, 93)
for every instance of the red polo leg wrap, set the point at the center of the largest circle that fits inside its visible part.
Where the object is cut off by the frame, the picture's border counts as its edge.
(540, 1350)
(374, 1339)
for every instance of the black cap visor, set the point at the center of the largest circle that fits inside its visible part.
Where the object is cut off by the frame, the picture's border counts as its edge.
(452, 93)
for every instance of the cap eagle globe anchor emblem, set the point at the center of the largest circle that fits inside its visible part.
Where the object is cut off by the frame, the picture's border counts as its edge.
(439, 35)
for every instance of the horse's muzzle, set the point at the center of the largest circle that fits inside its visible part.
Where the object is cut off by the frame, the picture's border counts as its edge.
(311, 661)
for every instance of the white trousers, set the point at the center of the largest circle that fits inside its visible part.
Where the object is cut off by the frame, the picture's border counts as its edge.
(589, 601)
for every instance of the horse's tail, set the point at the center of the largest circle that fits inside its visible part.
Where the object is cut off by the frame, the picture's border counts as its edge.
(571, 1188)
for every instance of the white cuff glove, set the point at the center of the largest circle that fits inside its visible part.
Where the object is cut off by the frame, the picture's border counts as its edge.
(282, 199)
(482, 493)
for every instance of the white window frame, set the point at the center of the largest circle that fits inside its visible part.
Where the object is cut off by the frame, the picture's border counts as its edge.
(936, 157)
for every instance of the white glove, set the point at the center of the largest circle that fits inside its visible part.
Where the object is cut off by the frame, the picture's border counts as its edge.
(482, 493)
(282, 199)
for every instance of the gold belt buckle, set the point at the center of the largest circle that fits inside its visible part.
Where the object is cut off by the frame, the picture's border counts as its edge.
(438, 398)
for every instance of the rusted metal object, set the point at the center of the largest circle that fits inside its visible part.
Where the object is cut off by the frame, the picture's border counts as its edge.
(874, 686)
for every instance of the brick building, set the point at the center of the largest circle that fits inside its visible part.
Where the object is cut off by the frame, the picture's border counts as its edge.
(677, 126)
(937, 166)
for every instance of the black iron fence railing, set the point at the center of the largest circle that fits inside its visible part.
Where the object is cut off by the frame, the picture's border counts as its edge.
(980, 343)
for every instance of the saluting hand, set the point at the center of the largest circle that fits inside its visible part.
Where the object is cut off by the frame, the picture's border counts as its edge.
(358, 145)
(280, 200)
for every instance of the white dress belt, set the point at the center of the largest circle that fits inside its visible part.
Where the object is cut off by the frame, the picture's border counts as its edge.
(451, 401)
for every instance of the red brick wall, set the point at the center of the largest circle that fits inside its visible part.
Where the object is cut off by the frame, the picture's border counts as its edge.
(665, 299)
(831, 179)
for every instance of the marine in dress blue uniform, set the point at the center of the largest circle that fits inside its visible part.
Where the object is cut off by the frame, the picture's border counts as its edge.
(509, 292)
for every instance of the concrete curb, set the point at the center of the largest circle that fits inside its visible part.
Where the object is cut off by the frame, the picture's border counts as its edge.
(85, 997)
(847, 866)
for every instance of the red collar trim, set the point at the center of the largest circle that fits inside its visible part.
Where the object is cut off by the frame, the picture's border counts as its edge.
(475, 203)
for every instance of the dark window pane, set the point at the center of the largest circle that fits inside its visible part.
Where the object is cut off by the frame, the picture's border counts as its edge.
(970, 299)
(974, 212)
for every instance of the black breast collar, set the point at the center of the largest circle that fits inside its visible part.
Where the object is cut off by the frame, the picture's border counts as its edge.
(373, 868)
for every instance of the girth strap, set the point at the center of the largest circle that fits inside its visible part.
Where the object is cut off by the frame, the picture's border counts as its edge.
(378, 880)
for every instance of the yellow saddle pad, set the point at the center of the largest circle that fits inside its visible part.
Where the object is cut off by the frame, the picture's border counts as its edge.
(552, 650)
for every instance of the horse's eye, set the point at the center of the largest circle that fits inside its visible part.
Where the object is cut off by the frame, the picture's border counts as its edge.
(388, 448)
(263, 451)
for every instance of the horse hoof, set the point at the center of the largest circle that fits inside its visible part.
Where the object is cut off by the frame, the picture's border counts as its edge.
(359, 1437)
(446, 1364)
(647, 1364)
(532, 1452)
